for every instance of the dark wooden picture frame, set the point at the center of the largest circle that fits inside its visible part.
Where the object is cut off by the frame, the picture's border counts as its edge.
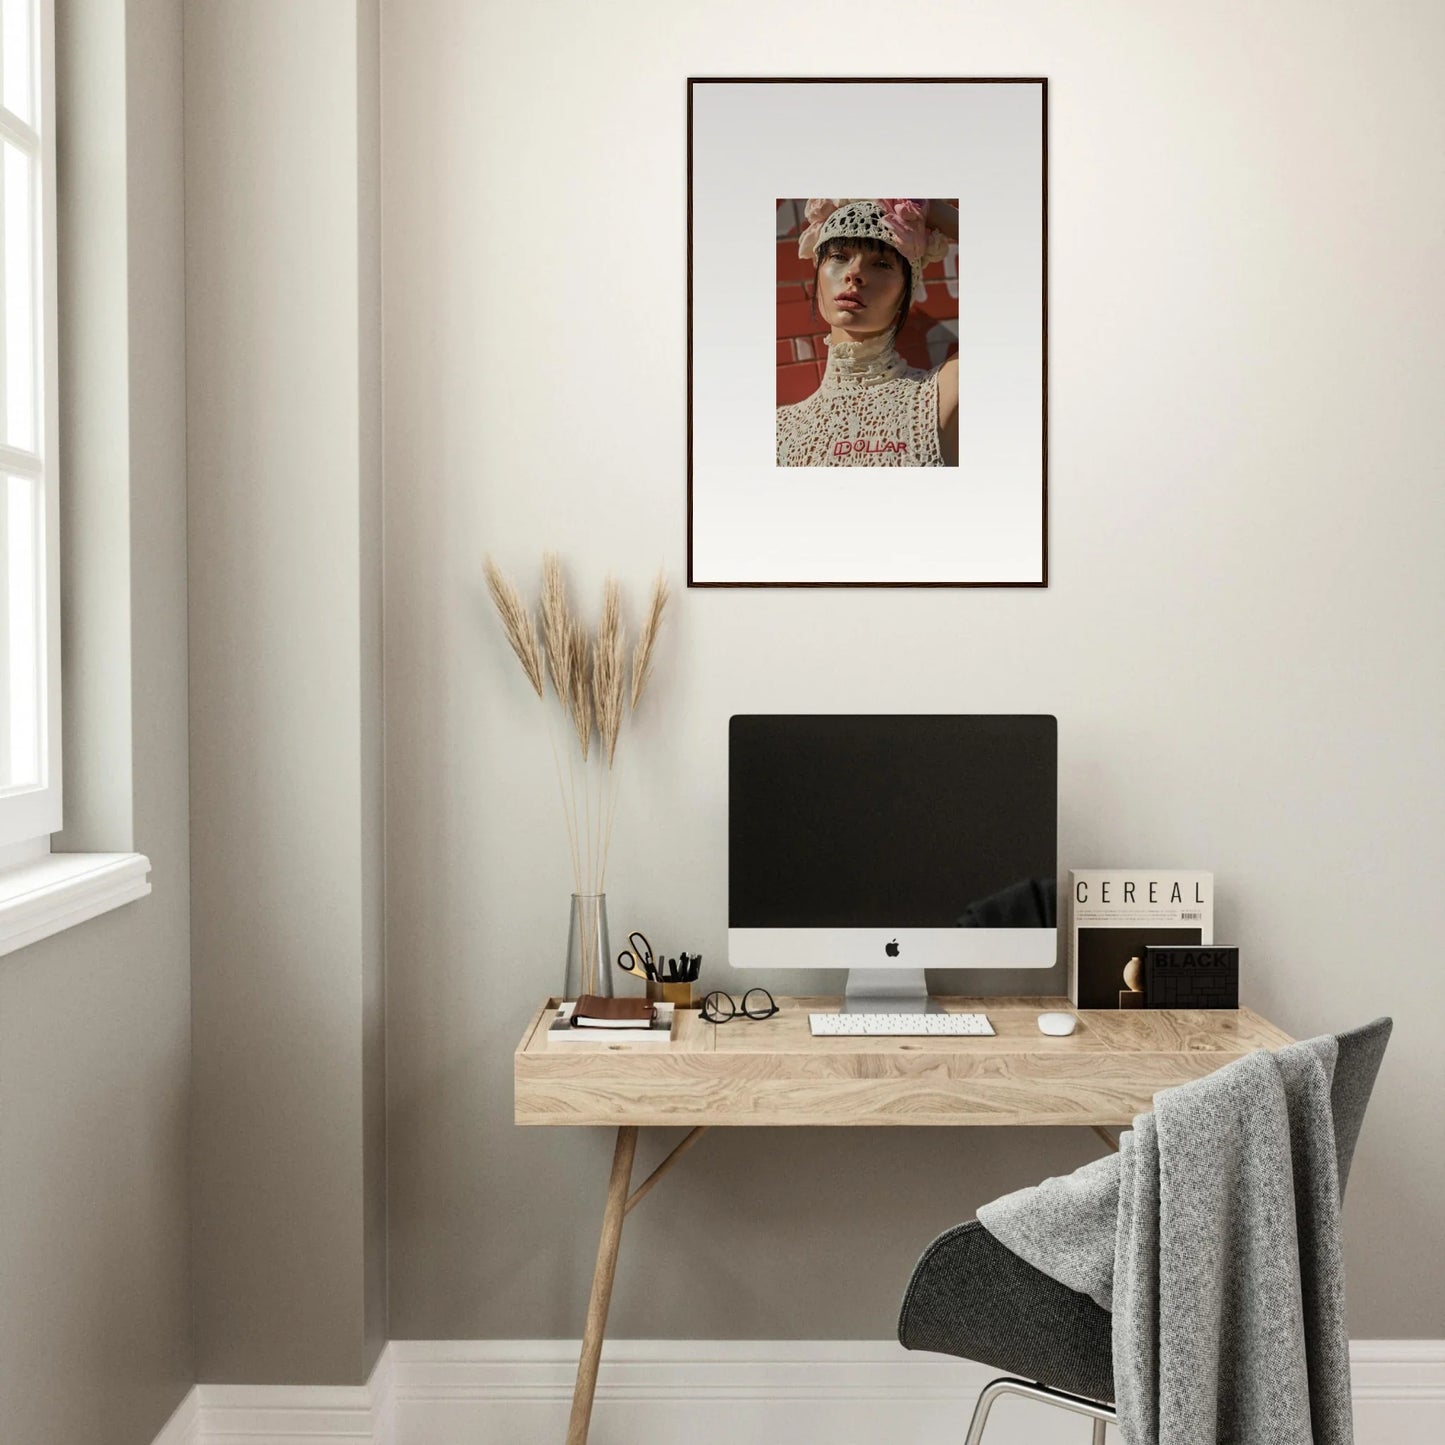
(752, 504)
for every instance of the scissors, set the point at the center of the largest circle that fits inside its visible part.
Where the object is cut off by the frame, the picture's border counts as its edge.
(636, 958)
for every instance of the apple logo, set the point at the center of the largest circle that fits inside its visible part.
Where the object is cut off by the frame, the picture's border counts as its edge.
(891, 949)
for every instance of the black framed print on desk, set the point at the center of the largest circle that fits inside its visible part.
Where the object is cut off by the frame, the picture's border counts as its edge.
(867, 402)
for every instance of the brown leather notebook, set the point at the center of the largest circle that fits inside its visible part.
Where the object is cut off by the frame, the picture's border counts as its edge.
(595, 1012)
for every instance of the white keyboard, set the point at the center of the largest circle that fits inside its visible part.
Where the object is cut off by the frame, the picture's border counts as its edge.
(909, 1026)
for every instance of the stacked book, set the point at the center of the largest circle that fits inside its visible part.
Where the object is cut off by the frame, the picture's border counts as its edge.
(611, 1021)
(1117, 915)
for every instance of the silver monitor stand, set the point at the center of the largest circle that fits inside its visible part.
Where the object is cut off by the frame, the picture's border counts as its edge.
(888, 991)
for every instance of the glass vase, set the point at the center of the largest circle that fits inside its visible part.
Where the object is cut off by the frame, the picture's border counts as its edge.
(589, 958)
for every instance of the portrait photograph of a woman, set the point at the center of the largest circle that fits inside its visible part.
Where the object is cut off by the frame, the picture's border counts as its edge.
(873, 395)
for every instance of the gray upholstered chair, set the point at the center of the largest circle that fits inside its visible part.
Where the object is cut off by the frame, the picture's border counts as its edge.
(972, 1297)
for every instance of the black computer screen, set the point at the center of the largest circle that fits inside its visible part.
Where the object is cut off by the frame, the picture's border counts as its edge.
(913, 821)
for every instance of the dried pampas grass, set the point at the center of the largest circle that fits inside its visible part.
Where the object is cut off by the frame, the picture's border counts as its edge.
(589, 678)
(608, 670)
(555, 620)
(642, 653)
(579, 686)
(517, 624)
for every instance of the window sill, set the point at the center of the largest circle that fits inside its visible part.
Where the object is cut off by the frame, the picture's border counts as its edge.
(63, 889)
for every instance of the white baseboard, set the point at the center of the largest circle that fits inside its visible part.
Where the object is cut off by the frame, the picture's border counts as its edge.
(714, 1392)
(184, 1427)
(288, 1414)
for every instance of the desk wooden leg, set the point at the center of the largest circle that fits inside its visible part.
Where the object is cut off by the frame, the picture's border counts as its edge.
(641, 1192)
(602, 1276)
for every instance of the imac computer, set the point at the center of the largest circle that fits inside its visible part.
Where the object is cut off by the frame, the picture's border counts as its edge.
(890, 844)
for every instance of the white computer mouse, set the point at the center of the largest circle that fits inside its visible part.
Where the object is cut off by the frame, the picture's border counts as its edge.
(1057, 1024)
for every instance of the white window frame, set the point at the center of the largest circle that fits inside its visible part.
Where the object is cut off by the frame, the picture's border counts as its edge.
(28, 815)
(43, 892)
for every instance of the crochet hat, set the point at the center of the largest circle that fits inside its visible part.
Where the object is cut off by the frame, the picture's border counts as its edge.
(901, 224)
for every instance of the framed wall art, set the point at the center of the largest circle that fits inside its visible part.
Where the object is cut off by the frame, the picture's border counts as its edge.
(867, 400)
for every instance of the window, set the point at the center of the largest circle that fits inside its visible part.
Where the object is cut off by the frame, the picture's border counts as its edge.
(41, 892)
(30, 803)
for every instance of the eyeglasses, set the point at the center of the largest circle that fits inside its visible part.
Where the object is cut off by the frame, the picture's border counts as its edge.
(721, 1008)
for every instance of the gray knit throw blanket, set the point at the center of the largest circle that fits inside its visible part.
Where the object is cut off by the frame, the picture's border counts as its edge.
(1214, 1237)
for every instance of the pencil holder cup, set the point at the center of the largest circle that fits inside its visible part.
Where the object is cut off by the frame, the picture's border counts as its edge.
(679, 994)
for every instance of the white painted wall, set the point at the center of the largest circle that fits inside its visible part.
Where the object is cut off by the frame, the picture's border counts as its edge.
(1241, 638)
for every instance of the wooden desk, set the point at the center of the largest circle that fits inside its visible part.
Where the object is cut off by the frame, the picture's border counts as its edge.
(774, 1072)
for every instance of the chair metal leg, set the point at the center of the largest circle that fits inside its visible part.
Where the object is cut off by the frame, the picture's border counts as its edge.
(980, 1411)
(1101, 1414)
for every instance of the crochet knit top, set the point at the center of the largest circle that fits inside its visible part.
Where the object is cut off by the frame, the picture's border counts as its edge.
(871, 410)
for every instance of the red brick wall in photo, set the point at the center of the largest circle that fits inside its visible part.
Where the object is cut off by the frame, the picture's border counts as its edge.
(929, 335)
